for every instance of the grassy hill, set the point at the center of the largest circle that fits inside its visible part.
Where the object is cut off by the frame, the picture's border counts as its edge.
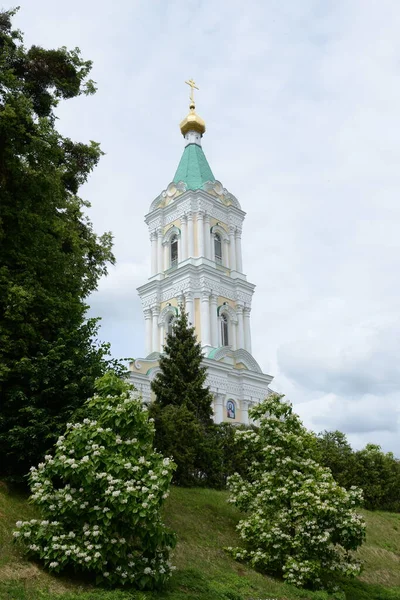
(205, 523)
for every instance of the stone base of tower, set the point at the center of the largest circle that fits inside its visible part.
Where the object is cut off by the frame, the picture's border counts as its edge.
(233, 376)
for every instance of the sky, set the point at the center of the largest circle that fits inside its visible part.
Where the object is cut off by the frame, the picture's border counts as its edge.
(301, 102)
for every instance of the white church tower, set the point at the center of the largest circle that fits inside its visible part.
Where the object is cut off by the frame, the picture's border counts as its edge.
(195, 228)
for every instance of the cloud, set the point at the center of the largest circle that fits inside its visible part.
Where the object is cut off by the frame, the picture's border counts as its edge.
(301, 104)
(356, 361)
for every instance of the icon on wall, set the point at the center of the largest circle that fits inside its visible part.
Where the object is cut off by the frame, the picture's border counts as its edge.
(231, 409)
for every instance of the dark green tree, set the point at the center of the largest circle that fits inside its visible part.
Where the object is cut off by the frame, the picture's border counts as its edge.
(181, 381)
(50, 257)
(335, 452)
(182, 409)
(378, 475)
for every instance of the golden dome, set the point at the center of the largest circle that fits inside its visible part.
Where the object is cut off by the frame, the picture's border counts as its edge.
(192, 122)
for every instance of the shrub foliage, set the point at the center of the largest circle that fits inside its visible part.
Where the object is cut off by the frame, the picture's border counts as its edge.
(101, 493)
(300, 524)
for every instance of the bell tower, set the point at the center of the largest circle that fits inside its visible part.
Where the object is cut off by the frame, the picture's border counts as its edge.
(195, 229)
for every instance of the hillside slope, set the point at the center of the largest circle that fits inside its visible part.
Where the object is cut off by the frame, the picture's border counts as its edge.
(205, 523)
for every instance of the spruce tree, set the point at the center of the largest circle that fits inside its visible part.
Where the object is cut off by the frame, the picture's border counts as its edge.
(182, 377)
(182, 410)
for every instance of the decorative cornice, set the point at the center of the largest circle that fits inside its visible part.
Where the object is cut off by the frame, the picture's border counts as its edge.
(194, 201)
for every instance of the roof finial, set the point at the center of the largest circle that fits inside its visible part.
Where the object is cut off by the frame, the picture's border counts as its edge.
(193, 86)
(192, 122)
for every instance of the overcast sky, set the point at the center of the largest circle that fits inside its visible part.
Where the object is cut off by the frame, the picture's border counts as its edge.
(301, 102)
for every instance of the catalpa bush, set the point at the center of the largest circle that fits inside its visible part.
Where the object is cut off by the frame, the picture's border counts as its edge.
(300, 523)
(101, 493)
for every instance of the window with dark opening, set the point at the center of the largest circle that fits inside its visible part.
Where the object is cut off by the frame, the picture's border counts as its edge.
(218, 248)
(174, 251)
(224, 330)
(170, 325)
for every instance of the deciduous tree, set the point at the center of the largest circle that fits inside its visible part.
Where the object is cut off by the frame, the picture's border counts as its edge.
(50, 257)
(299, 523)
(100, 495)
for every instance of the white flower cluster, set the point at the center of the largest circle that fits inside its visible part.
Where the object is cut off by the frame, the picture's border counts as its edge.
(111, 481)
(294, 507)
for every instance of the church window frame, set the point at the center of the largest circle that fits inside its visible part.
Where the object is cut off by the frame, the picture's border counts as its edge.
(219, 254)
(218, 248)
(173, 251)
(224, 325)
(168, 315)
(172, 242)
(170, 324)
(226, 311)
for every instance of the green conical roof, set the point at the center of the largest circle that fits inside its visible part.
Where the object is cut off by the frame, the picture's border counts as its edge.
(193, 168)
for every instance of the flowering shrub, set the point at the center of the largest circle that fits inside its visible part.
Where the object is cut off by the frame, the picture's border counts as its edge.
(100, 495)
(300, 523)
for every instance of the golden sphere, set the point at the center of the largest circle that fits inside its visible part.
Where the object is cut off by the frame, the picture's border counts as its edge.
(192, 122)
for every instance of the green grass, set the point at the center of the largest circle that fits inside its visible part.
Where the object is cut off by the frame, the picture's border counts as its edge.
(205, 523)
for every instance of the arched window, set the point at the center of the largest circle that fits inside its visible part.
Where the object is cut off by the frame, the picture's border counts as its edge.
(174, 251)
(218, 248)
(224, 330)
(170, 325)
(230, 409)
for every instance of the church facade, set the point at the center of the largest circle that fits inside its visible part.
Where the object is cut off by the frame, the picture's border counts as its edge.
(195, 227)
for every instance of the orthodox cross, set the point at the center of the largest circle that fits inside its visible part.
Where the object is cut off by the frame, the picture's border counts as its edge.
(192, 86)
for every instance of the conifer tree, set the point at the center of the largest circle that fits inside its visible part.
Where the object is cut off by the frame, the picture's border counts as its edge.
(182, 410)
(182, 377)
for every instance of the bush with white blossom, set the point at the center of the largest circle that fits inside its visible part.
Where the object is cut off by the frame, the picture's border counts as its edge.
(299, 524)
(100, 495)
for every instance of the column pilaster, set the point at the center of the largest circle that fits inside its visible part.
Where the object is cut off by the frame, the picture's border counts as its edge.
(160, 266)
(205, 319)
(190, 235)
(232, 249)
(148, 329)
(189, 307)
(226, 261)
(162, 336)
(200, 232)
(214, 320)
(155, 311)
(190, 232)
(166, 255)
(247, 329)
(245, 412)
(219, 408)
(238, 244)
(207, 236)
(153, 240)
(240, 340)
(234, 329)
(184, 237)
